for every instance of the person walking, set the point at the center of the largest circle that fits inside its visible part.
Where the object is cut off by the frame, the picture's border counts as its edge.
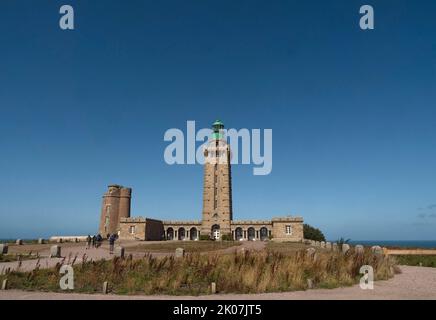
(112, 239)
(88, 242)
(98, 240)
(93, 240)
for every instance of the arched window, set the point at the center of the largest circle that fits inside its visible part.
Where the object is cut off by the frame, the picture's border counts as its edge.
(170, 234)
(238, 234)
(193, 234)
(181, 233)
(216, 232)
(251, 234)
(263, 234)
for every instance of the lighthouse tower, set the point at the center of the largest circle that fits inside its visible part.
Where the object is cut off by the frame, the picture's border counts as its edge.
(217, 190)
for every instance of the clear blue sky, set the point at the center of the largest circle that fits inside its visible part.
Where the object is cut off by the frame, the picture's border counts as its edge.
(353, 113)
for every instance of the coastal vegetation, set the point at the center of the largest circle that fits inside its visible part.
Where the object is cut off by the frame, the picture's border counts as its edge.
(285, 247)
(17, 257)
(188, 246)
(239, 272)
(417, 260)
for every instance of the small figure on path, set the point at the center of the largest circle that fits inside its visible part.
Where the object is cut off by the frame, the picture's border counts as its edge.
(98, 240)
(88, 242)
(94, 241)
(112, 239)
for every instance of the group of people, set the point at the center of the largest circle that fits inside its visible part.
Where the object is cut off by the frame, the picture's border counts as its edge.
(96, 240)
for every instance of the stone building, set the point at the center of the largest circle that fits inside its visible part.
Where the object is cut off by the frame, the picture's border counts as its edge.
(217, 216)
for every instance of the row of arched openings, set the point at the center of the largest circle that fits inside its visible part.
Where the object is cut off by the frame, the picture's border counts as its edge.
(182, 234)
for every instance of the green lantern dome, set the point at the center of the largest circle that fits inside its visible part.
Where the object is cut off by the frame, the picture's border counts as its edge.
(218, 123)
(217, 126)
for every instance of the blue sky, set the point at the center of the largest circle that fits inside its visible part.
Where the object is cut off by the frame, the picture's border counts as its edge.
(353, 112)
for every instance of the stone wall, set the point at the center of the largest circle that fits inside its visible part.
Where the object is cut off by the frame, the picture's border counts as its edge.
(141, 229)
(287, 229)
(137, 224)
(68, 238)
(154, 230)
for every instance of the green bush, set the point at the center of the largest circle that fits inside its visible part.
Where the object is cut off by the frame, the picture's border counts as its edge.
(312, 233)
(418, 260)
(226, 237)
(205, 237)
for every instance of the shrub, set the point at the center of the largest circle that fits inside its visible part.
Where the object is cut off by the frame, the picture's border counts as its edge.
(312, 233)
(205, 237)
(418, 260)
(342, 241)
(226, 237)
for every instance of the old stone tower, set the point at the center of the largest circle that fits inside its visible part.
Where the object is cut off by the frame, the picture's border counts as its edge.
(116, 205)
(217, 192)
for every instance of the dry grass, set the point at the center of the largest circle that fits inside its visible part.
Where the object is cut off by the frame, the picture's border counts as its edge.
(189, 246)
(18, 257)
(249, 272)
(39, 248)
(285, 247)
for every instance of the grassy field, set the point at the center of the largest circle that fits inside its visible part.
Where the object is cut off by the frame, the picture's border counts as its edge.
(285, 247)
(416, 260)
(38, 248)
(17, 257)
(189, 246)
(25, 241)
(248, 272)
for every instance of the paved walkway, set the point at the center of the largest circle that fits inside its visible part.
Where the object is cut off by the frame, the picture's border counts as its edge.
(413, 283)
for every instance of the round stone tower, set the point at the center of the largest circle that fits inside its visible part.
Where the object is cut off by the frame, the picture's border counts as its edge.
(116, 204)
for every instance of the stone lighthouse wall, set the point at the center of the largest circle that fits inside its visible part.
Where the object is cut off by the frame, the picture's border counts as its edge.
(217, 190)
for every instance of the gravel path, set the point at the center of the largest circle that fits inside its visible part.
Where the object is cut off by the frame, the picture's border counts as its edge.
(413, 283)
